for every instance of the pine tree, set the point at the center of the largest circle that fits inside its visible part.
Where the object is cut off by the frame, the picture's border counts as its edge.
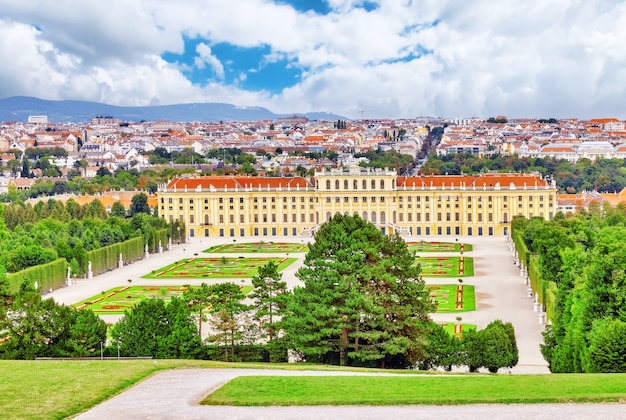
(363, 299)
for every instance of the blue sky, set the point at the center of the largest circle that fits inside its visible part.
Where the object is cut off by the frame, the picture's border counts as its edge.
(393, 58)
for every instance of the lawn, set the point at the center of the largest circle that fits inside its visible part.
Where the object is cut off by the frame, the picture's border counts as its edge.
(458, 329)
(198, 268)
(412, 390)
(119, 299)
(424, 246)
(58, 389)
(446, 266)
(453, 297)
(267, 247)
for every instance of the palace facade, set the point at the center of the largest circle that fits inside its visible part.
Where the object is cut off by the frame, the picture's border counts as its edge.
(244, 206)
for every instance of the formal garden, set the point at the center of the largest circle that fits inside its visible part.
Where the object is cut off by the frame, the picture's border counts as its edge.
(119, 299)
(425, 246)
(453, 297)
(446, 266)
(457, 329)
(258, 247)
(198, 268)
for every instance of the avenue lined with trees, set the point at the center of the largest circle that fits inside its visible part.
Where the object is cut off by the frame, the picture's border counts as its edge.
(577, 265)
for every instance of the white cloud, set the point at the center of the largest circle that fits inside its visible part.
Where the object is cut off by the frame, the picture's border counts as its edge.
(533, 58)
(205, 57)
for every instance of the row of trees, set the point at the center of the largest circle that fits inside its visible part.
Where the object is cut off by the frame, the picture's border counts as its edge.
(493, 348)
(601, 175)
(33, 235)
(32, 327)
(582, 257)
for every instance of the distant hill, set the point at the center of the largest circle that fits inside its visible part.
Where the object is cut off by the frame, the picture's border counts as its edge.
(19, 108)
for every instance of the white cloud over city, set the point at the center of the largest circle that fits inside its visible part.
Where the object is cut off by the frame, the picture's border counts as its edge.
(560, 58)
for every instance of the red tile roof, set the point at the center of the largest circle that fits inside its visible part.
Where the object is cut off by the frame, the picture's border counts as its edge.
(233, 182)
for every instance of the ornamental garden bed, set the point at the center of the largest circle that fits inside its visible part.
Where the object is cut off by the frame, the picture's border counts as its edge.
(258, 247)
(446, 266)
(457, 330)
(199, 268)
(117, 300)
(452, 297)
(424, 246)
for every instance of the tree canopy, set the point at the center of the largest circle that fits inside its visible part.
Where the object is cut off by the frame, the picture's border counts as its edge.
(363, 300)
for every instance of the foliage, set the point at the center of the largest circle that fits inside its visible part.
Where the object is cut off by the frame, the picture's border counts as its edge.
(197, 300)
(226, 308)
(363, 298)
(607, 347)
(36, 235)
(601, 174)
(579, 273)
(390, 159)
(32, 327)
(154, 328)
(46, 276)
(268, 299)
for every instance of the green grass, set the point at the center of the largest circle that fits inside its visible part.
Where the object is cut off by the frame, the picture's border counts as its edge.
(450, 328)
(119, 299)
(267, 247)
(446, 297)
(58, 389)
(408, 389)
(446, 266)
(424, 246)
(198, 268)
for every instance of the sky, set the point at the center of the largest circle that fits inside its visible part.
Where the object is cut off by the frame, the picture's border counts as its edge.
(358, 59)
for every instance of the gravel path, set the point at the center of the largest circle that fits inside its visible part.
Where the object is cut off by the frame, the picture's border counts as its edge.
(175, 395)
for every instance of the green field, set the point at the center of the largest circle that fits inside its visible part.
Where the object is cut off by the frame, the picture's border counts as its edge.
(59, 389)
(424, 246)
(120, 299)
(453, 297)
(411, 390)
(446, 266)
(260, 247)
(198, 268)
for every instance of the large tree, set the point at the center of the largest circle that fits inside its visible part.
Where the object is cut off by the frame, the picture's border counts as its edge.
(363, 299)
(268, 299)
(198, 300)
(154, 328)
(32, 327)
(226, 309)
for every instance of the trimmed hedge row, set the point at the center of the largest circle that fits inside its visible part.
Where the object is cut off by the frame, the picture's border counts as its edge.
(162, 236)
(520, 246)
(545, 290)
(107, 258)
(48, 276)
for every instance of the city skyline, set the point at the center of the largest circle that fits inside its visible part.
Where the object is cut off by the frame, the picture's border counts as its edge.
(371, 59)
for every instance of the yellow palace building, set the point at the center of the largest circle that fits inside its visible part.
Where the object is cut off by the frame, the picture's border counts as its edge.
(244, 206)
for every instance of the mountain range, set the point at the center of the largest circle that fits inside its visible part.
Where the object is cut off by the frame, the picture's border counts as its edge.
(19, 108)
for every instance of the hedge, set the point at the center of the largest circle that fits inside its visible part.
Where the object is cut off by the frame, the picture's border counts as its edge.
(48, 276)
(551, 291)
(160, 235)
(107, 258)
(520, 246)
